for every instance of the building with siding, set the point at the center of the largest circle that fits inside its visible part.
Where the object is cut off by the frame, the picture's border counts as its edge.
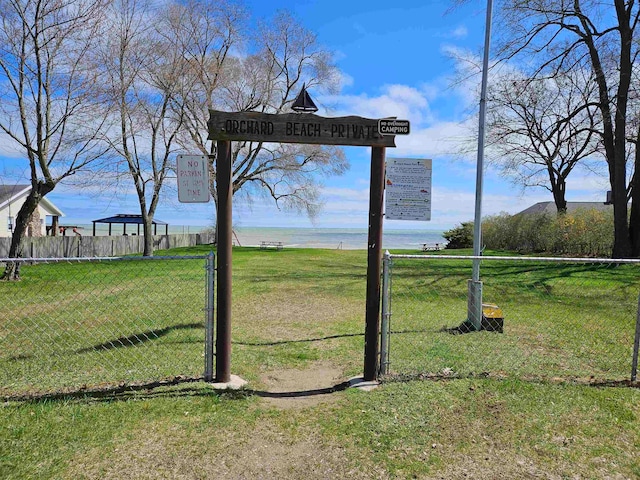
(12, 197)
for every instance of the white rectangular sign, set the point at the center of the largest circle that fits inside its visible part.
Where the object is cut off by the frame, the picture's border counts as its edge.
(193, 178)
(408, 189)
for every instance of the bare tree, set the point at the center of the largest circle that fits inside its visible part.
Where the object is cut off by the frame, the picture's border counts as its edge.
(600, 38)
(48, 106)
(208, 33)
(143, 69)
(282, 55)
(539, 130)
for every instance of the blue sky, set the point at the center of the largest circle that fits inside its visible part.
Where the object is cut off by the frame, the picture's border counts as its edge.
(395, 62)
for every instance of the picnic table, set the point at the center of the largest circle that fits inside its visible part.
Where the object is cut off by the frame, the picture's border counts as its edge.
(426, 247)
(277, 245)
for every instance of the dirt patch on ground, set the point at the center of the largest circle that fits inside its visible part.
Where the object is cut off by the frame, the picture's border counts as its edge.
(261, 451)
(291, 316)
(301, 388)
(506, 468)
(508, 465)
(266, 452)
(272, 454)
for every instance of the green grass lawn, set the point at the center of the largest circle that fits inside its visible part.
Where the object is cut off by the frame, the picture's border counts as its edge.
(298, 313)
(73, 324)
(569, 321)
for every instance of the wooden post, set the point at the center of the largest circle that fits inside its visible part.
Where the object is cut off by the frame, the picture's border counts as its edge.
(224, 217)
(374, 259)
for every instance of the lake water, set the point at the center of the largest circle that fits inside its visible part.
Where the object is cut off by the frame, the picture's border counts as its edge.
(345, 238)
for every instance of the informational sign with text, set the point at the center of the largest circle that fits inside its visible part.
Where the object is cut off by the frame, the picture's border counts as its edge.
(408, 189)
(193, 178)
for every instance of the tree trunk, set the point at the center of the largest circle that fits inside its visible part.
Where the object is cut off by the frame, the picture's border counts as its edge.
(559, 189)
(621, 242)
(147, 219)
(12, 269)
(634, 219)
(148, 235)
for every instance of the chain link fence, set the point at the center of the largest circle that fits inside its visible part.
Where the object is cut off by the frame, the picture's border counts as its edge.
(551, 319)
(71, 324)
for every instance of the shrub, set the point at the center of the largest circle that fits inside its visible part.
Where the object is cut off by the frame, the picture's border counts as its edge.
(581, 233)
(460, 236)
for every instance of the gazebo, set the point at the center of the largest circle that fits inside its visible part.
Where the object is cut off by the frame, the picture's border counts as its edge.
(127, 219)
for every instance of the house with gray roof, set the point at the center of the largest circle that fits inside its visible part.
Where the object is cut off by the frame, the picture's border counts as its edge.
(550, 207)
(12, 197)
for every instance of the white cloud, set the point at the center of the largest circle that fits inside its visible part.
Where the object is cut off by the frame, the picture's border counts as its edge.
(430, 137)
(583, 186)
(439, 139)
(345, 80)
(436, 88)
(346, 194)
(348, 207)
(400, 101)
(453, 205)
(459, 32)
(404, 93)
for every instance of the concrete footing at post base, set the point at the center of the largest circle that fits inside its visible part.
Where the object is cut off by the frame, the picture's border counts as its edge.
(361, 384)
(235, 383)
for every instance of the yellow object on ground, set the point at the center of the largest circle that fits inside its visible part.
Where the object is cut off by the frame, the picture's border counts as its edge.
(491, 310)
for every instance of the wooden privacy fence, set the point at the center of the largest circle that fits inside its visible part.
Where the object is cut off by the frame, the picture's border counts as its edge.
(102, 246)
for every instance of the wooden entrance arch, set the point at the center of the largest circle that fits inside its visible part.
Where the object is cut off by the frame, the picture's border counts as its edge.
(225, 127)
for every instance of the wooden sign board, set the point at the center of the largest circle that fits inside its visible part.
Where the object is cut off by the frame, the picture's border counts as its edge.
(296, 128)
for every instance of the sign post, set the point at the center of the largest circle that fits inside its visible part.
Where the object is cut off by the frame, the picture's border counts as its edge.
(374, 259)
(225, 232)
